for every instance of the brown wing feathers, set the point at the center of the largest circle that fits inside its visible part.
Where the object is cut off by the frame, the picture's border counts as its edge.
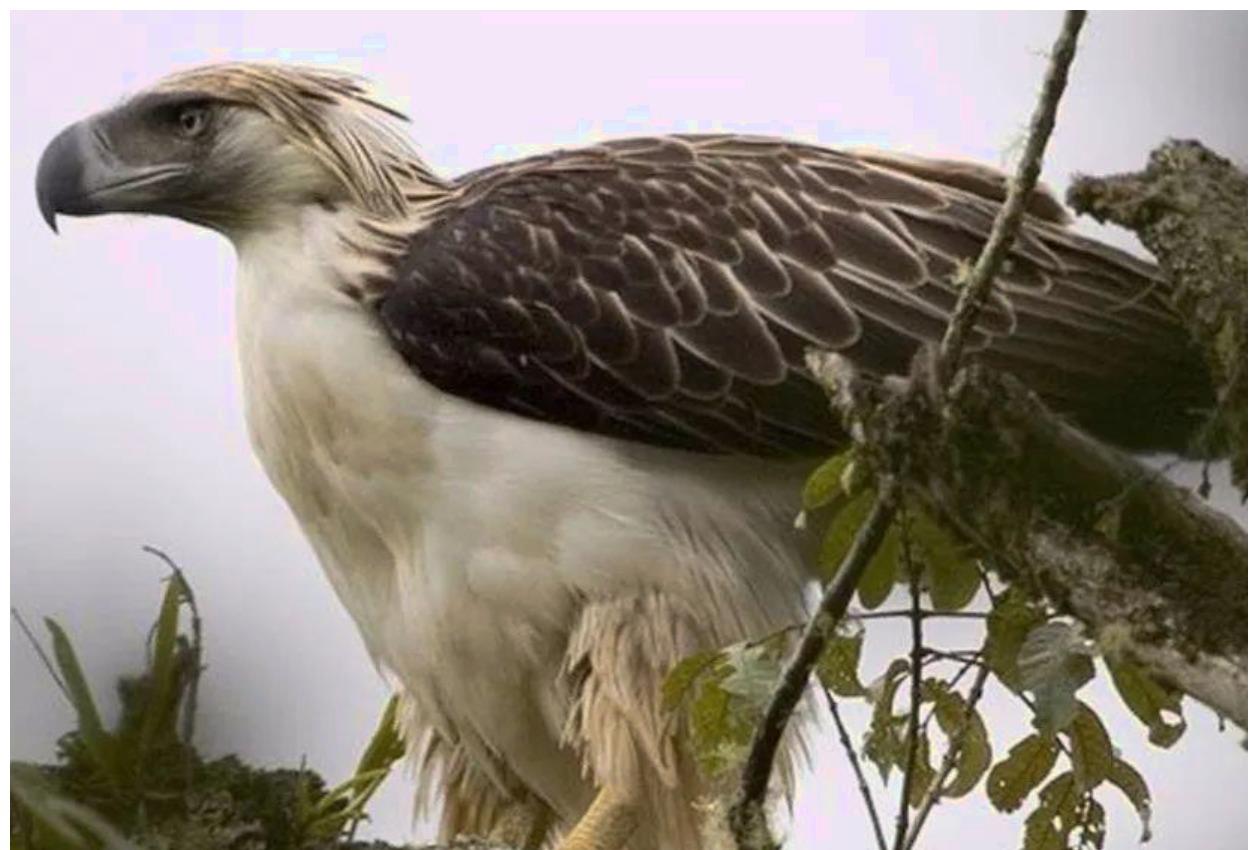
(665, 290)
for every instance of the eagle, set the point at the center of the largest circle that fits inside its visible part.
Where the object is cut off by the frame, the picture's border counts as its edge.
(545, 425)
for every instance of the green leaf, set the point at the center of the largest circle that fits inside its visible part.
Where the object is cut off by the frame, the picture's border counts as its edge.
(1061, 798)
(1128, 780)
(1091, 752)
(1091, 824)
(162, 668)
(883, 741)
(99, 743)
(884, 744)
(1040, 833)
(972, 760)
(709, 721)
(952, 576)
(881, 691)
(1008, 623)
(61, 822)
(386, 745)
(839, 665)
(842, 531)
(726, 701)
(1013, 778)
(1054, 663)
(880, 573)
(923, 773)
(879, 576)
(754, 673)
(682, 677)
(1149, 701)
(825, 484)
(974, 753)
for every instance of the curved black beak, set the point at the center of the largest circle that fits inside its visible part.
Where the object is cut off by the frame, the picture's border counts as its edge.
(59, 180)
(79, 174)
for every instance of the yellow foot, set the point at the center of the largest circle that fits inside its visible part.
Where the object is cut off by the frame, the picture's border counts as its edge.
(523, 825)
(606, 825)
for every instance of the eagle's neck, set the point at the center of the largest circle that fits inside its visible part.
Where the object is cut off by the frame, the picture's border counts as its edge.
(306, 338)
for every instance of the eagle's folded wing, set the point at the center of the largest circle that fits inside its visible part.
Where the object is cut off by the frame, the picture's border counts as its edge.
(666, 289)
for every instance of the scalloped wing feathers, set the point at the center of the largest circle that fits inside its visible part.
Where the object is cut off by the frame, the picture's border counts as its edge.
(666, 289)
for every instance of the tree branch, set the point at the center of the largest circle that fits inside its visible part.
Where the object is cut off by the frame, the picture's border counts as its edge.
(979, 282)
(854, 760)
(1189, 208)
(915, 694)
(1152, 570)
(746, 815)
(935, 790)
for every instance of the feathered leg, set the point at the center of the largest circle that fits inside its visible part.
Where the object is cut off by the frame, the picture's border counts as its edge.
(607, 825)
(618, 656)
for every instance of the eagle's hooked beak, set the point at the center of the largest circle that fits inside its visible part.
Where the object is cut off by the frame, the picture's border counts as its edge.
(79, 174)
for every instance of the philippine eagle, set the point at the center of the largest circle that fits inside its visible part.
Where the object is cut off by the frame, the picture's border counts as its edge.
(546, 424)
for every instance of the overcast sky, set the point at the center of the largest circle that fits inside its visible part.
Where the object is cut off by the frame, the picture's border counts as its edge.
(126, 420)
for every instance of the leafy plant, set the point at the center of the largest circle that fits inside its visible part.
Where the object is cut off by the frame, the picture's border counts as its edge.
(141, 784)
(929, 729)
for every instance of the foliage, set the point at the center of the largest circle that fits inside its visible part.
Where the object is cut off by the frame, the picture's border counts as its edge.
(1039, 656)
(141, 785)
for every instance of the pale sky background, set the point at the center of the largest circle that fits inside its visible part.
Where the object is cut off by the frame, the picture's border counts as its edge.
(126, 421)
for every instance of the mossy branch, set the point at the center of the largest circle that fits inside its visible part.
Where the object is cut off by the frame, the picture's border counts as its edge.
(1153, 571)
(1189, 207)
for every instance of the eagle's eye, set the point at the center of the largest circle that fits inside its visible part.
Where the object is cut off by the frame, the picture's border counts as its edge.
(192, 120)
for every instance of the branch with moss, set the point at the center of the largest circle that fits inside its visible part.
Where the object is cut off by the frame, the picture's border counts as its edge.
(1189, 207)
(746, 817)
(1157, 576)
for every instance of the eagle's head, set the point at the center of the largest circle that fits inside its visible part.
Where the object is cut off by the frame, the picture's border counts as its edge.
(231, 147)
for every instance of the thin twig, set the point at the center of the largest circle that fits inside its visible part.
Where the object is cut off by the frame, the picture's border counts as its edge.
(925, 615)
(43, 656)
(915, 689)
(935, 790)
(987, 582)
(866, 794)
(746, 815)
(963, 656)
(978, 283)
(952, 683)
